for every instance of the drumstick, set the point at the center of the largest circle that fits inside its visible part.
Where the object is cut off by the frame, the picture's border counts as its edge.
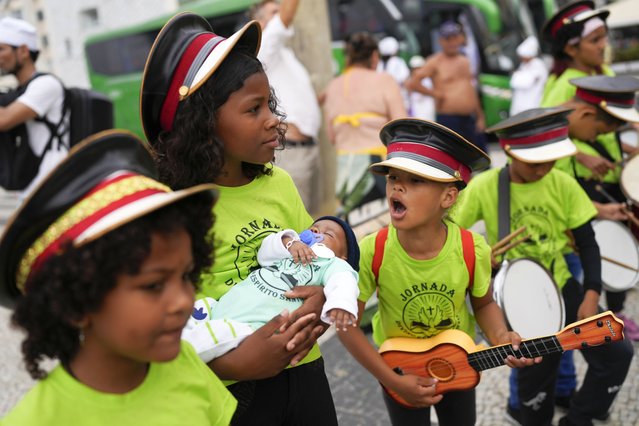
(610, 198)
(616, 262)
(507, 238)
(507, 247)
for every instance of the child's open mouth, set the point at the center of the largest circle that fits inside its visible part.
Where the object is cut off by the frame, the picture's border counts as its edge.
(397, 208)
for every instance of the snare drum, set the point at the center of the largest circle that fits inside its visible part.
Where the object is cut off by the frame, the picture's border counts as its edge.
(530, 299)
(618, 244)
(629, 180)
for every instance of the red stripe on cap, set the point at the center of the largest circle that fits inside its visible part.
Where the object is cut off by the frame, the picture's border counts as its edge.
(169, 107)
(596, 100)
(434, 154)
(569, 14)
(536, 138)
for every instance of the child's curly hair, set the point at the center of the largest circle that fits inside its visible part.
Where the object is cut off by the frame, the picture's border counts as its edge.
(74, 283)
(193, 140)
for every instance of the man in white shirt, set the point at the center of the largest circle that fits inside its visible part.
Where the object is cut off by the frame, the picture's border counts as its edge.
(529, 79)
(293, 87)
(42, 99)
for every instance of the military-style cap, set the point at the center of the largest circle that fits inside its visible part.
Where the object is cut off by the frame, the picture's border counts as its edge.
(572, 13)
(429, 150)
(615, 95)
(105, 182)
(537, 135)
(183, 57)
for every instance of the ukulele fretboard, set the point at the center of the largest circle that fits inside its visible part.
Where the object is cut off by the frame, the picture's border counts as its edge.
(495, 357)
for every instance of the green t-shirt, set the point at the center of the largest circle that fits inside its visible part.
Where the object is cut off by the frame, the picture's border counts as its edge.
(421, 298)
(179, 392)
(560, 90)
(574, 168)
(244, 216)
(548, 208)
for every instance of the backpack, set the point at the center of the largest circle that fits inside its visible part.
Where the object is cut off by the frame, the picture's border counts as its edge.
(468, 248)
(88, 112)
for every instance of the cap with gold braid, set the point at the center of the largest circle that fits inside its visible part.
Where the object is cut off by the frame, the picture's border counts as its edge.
(106, 182)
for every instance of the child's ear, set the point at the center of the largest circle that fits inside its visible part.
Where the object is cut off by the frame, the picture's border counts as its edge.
(449, 196)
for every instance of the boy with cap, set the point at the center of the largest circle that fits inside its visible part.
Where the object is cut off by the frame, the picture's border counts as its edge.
(530, 192)
(38, 101)
(601, 105)
(415, 266)
(457, 104)
(327, 254)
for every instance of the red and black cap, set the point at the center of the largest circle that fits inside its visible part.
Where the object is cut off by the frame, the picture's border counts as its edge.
(615, 95)
(430, 150)
(184, 55)
(537, 135)
(579, 11)
(105, 182)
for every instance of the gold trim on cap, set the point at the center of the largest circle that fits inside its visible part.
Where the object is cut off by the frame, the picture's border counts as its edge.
(457, 174)
(603, 104)
(79, 212)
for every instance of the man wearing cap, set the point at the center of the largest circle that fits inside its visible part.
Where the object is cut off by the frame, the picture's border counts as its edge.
(43, 97)
(530, 192)
(456, 101)
(293, 87)
(528, 81)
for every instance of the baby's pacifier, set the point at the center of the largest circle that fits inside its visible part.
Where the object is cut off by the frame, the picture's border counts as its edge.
(309, 237)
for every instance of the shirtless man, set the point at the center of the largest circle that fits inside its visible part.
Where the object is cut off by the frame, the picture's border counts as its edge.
(456, 101)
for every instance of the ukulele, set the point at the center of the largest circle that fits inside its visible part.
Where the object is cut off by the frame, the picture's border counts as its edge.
(454, 359)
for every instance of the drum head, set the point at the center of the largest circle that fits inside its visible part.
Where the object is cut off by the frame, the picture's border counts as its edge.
(630, 179)
(531, 301)
(617, 243)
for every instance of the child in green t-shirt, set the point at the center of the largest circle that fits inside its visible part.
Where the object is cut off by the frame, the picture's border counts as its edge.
(425, 273)
(100, 266)
(549, 203)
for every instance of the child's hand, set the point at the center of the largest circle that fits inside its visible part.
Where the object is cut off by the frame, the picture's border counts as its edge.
(513, 362)
(342, 319)
(416, 390)
(301, 252)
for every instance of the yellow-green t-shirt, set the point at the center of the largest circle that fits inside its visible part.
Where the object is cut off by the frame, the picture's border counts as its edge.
(548, 208)
(183, 391)
(421, 298)
(560, 90)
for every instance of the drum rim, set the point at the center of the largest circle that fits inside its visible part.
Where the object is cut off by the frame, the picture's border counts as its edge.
(624, 229)
(498, 296)
(625, 192)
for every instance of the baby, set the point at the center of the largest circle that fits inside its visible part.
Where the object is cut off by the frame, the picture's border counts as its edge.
(327, 254)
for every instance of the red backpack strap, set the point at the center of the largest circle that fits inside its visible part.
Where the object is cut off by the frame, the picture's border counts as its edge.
(378, 256)
(468, 247)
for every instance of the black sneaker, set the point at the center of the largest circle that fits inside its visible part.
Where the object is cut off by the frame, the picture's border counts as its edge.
(513, 415)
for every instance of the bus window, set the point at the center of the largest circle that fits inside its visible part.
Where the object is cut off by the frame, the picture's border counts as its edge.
(623, 24)
(121, 55)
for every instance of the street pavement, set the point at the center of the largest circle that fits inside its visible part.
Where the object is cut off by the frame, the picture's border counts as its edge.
(357, 395)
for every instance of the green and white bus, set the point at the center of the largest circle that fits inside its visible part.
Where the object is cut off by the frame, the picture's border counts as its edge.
(115, 59)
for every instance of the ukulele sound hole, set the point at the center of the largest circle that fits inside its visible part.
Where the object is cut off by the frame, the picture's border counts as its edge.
(440, 369)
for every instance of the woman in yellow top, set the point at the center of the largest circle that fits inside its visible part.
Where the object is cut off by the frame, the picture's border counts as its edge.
(357, 104)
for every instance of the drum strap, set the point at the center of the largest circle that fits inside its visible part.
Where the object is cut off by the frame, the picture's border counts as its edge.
(503, 207)
(468, 248)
